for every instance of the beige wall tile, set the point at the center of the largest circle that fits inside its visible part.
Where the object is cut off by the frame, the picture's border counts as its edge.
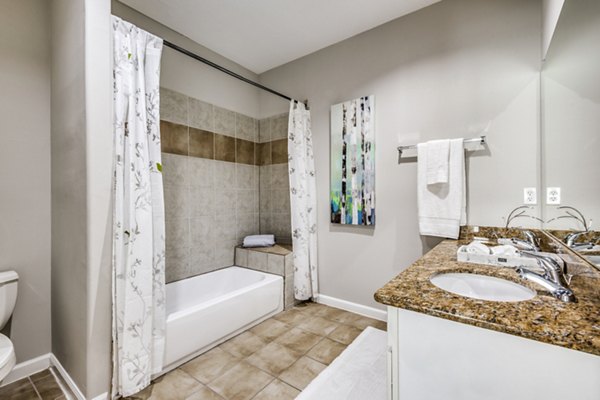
(280, 176)
(275, 264)
(202, 143)
(280, 201)
(177, 201)
(264, 130)
(177, 231)
(201, 172)
(246, 176)
(224, 253)
(279, 127)
(201, 115)
(246, 128)
(257, 260)
(247, 224)
(175, 169)
(173, 107)
(174, 138)
(202, 201)
(224, 148)
(225, 175)
(241, 257)
(244, 152)
(247, 201)
(176, 264)
(225, 202)
(279, 151)
(224, 121)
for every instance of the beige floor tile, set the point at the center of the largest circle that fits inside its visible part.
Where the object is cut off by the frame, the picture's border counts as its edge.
(298, 340)
(330, 312)
(48, 388)
(241, 382)
(344, 317)
(277, 390)
(21, 389)
(176, 385)
(319, 326)
(302, 372)
(270, 329)
(291, 317)
(273, 358)
(345, 334)
(364, 322)
(205, 393)
(210, 365)
(244, 344)
(326, 351)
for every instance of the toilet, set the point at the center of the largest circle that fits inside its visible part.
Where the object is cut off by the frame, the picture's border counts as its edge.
(8, 298)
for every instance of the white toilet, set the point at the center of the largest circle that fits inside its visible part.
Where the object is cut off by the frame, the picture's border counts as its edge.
(8, 298)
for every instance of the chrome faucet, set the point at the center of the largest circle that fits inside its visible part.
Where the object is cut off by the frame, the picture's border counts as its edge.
(553, 279)
(572, 237)
(533, 239)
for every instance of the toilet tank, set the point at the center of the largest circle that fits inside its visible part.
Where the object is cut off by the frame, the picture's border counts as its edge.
(8, 295)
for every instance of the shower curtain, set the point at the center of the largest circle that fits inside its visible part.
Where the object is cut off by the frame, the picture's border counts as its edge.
(138, 216)
(303, 202)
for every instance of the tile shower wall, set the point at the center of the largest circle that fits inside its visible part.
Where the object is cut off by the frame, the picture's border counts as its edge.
(274, 185)
(210, 183)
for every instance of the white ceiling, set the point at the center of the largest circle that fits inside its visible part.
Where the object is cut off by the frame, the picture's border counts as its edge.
(263, 34)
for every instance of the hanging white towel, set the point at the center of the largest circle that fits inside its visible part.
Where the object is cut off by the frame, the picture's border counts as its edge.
(442, 207)
(438, 158)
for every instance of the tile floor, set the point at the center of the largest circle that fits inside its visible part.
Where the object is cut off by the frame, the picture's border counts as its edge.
(274, 360)
(40, 386)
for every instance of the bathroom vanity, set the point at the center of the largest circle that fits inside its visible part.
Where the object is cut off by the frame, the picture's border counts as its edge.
(448, 346)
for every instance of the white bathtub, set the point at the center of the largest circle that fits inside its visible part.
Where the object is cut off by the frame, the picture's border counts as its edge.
(208, 309)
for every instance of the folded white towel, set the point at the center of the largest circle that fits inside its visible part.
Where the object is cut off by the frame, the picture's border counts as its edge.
(438, 158)
(442, 207)
(505, 251)
(259, 241)
(476, 247)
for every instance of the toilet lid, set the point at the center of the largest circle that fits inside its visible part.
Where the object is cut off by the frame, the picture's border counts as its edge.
(7, 351)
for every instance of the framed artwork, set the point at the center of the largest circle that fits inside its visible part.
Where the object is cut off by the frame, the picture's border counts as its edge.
(352, 181)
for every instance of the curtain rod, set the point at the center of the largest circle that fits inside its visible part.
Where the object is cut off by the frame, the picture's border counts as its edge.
(225, 70)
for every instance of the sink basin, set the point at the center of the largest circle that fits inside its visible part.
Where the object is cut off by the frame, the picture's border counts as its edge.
(482, 287)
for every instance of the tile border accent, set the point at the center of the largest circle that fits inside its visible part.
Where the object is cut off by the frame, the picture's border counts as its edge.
(276, 151)
(355, 308)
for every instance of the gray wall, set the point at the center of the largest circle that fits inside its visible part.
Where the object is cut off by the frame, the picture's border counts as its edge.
(81, 191)
(571, 112)
(445, 71)
(25, 172)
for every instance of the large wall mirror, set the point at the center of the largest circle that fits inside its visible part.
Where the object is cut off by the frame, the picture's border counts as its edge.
(571, 128)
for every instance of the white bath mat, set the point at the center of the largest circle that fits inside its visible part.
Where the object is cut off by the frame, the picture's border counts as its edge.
(358, 373)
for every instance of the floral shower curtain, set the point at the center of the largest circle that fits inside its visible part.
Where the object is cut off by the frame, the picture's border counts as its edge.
(138, 217)
(303, 201)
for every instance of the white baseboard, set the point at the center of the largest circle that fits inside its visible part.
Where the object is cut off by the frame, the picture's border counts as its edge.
(356, 308)
(66, 377)
(27, 368)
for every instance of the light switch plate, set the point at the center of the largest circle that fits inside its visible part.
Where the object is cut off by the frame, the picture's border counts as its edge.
(529, 195)
(553, 196)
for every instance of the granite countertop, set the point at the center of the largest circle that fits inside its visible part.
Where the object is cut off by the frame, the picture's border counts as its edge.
(572, 325)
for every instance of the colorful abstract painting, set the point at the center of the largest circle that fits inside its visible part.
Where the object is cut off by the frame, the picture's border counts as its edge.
(352, 193)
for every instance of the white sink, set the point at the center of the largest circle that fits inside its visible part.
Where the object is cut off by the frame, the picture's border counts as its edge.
(482, 287)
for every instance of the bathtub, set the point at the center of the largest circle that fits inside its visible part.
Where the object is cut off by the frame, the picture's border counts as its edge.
(205, 310)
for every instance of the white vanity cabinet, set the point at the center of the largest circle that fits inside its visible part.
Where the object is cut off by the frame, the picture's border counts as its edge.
(432, 358)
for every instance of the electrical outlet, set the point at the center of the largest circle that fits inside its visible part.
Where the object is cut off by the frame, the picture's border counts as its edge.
(553, 196)
(529, 195)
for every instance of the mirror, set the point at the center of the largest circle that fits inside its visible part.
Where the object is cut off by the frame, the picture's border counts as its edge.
(570, 106)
